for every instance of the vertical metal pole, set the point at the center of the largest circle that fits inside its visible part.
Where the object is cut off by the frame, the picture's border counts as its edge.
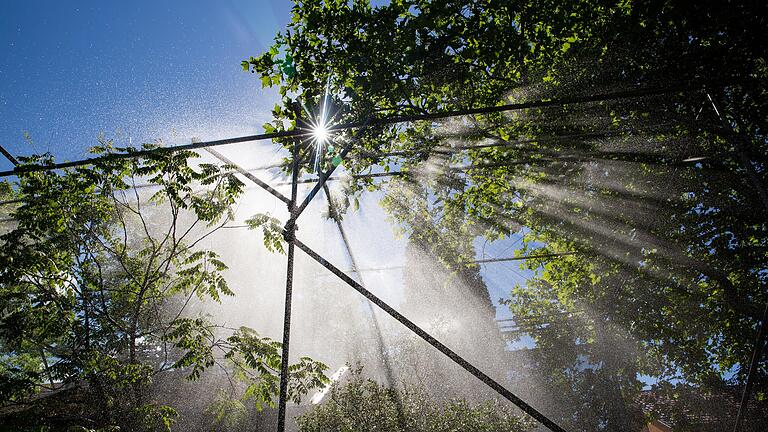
(753, 364)
(290, 237)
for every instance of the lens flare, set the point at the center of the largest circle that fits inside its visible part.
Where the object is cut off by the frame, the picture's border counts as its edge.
(320, 133)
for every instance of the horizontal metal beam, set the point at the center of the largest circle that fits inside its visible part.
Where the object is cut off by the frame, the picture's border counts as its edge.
(524, 257)
(480, 261)
(569, 100)
(149, 152)
(633, 93)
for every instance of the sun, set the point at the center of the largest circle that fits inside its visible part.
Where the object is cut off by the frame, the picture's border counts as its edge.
(320, 133)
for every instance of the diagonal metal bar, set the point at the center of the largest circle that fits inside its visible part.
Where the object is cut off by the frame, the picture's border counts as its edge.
(551, 425)
(290, 237)
(9, 156)
(327, 174)
(250, 176)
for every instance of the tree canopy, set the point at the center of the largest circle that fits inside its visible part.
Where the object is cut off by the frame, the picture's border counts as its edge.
(658, 197)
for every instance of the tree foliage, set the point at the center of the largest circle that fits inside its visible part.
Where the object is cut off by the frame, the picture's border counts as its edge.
(653, 193)
(102, 282)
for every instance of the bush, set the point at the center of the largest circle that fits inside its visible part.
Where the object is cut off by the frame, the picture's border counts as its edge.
(364, 405)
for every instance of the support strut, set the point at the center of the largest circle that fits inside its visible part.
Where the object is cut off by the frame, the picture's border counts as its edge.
(290, 237)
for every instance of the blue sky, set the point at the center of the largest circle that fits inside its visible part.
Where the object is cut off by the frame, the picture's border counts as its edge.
(137, 71)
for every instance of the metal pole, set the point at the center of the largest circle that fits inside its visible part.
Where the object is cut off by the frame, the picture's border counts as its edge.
(756, 355)
(252, 177)
(290, 237)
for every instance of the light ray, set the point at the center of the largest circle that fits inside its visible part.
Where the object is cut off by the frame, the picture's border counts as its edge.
(319, 127)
